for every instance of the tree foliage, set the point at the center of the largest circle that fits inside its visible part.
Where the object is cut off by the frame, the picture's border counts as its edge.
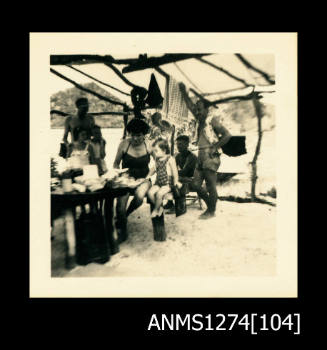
(64, 101)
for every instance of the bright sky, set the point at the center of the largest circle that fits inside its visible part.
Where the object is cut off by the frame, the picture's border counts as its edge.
(206, 78)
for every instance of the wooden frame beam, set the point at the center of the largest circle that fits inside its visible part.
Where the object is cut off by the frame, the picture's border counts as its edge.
(153, 62)
(86, 89)
(97, 80)
(87, 59)
(224, 71)
(121, 76)
(64, 114)
(250, 66)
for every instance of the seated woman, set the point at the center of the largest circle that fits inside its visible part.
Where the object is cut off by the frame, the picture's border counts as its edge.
(80, 153)
(134, 154)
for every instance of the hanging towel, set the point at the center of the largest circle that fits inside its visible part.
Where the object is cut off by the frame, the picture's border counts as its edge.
(235, 146)
(174, 106)
(154, 98)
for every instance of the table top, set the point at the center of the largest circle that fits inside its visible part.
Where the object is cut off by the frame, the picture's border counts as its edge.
(70, 199)
(116, 192)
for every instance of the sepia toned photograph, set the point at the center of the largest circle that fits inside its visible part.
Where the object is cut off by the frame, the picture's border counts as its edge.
(162, 163)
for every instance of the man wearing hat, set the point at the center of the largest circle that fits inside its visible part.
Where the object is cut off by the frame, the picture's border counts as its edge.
(82, 119)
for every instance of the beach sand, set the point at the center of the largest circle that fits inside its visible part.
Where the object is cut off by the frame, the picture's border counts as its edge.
(239, 241)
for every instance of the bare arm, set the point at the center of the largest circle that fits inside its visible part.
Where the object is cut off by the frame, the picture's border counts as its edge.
(103, 149)
(67, 129)
(149, 147)
(151, 172)
(223, 134)
(188, 101)
(119, 154)
(92, 158)
(173, 167)
(188, 166)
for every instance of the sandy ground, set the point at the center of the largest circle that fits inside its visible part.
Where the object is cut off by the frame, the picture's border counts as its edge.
(239, 241)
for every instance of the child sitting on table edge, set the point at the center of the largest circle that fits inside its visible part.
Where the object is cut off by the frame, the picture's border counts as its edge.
(167, 175)
(99, 144)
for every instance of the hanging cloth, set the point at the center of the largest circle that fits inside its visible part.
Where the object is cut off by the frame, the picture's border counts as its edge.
(154, 98)
(138, 95)
(174, 106)
(235, 146)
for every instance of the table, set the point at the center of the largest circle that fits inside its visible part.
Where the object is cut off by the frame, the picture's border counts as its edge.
(67, 202)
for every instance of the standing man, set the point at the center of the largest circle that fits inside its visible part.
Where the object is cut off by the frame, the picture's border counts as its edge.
(212, 135)
(82, 119)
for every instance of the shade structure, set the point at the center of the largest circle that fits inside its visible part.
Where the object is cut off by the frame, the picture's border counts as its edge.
(194, 73)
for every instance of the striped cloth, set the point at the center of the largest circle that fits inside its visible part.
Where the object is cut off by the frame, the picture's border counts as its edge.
(174, 106)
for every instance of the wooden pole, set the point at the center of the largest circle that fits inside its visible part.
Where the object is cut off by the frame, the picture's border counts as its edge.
(86, 90)
(258, 110)
(97, 80)
(188, 79)
(223, 71)
(64, 114)
(250, 66)
(121, 76)
(153, 62)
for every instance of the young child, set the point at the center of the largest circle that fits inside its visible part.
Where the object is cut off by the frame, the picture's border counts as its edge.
(99, 146)
(167, 175)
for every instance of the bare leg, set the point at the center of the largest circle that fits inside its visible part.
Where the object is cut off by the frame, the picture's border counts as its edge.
(159, 197)
(121, 207)
(196, 185)
(211, 185)
(151, 193)
(139, 195)
(121, 218)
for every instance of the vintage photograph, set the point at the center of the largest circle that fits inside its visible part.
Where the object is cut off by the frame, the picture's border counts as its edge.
(162, 164)
(163, 172)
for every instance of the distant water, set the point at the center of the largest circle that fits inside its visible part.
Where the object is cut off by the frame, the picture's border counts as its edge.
(266, 161)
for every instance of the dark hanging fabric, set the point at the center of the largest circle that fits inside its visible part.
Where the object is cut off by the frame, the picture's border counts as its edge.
(63, 150)
(138, 95)
(235, 146)
(154, 98)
